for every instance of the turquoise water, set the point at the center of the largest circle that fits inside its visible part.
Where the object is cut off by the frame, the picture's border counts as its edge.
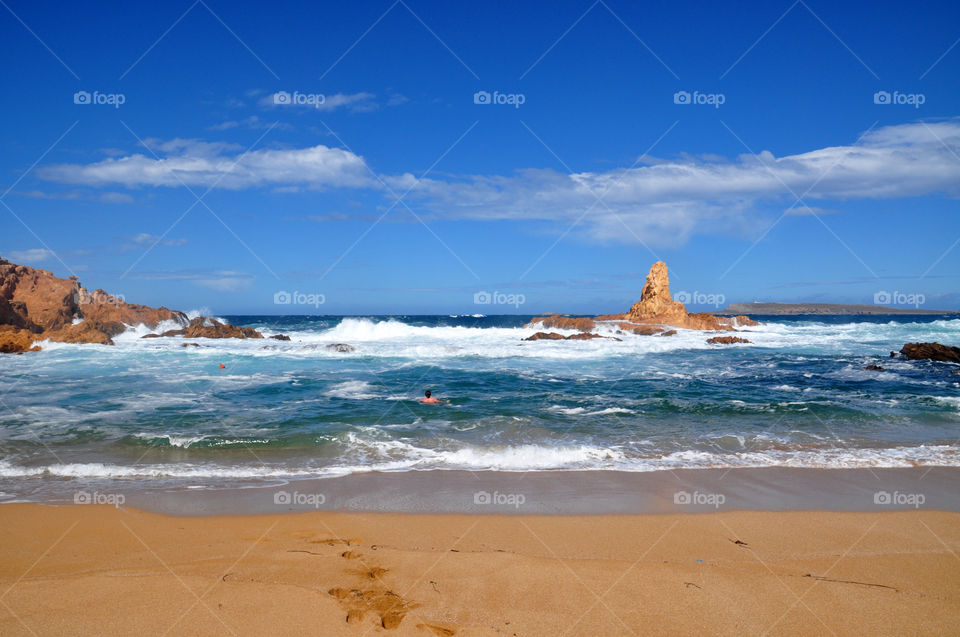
(154, 410)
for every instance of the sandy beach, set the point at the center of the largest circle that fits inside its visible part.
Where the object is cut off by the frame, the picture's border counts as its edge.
(119, 571)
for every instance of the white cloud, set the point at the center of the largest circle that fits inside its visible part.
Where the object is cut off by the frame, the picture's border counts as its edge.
(220, 280)
(253, 123)
(357, 102)
(657, 201)
(77, 195)
(198, 163)
(667, 201)
(150, 239)
(35, 255)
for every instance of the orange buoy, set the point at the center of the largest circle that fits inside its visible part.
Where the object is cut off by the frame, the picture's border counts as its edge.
(222, 366)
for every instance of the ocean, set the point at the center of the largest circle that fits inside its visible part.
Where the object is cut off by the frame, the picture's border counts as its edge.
(153, 412)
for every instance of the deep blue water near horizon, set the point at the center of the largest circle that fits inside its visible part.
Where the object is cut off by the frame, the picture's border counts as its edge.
(163, 412)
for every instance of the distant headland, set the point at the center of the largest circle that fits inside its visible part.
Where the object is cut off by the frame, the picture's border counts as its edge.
(821, 308)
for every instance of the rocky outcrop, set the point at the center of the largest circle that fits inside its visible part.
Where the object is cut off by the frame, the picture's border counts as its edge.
(653, 314)
(553, 336)
(931, 351)
(656, 304)
(203, 327)
(35, 305)
(558, 322)
(14, 340)
(343, 348)
(280, 337)
(726, 340)
(36, 300)
(874, 368)
(545, 336)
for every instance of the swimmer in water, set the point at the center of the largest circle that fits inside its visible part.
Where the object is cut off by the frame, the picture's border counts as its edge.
(428, 399)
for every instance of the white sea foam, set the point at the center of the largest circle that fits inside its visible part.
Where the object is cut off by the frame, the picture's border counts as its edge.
(393, 455)
(354, 389)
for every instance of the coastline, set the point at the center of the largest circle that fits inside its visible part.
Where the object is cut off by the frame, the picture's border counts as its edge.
(552, 492)
(112, 571)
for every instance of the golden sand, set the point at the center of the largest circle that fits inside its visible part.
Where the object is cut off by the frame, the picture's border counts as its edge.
(99, 570)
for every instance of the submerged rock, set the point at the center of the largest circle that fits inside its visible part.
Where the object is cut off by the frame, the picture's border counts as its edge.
(931, 351)
(874, 368)
(280, 337)
(545, 336)
(727, 340)
(343, 348)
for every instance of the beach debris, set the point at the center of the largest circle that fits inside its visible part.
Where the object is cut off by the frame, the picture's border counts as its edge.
(739, 542)
(689, 584)
(726, 340)
(931, 351)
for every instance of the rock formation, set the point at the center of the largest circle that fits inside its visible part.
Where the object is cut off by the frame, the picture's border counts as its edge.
(203, 327)
(554, 336)
(931, 351)
(655, 304)
(35, 305)
(556, 321)
(651, 315)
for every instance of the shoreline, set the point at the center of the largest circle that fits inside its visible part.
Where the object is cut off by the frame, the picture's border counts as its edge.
(587, 493)
(116, 571)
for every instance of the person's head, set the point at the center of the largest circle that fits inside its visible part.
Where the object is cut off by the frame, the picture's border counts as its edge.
(427, 393)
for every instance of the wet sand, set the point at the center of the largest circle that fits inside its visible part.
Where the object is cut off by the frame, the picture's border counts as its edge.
(574, 492)
(104, 570)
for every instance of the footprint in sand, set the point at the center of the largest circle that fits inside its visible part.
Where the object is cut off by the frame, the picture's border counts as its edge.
(388, 606)
(442, 631)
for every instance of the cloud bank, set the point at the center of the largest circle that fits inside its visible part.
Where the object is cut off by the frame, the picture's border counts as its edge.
(656, 200)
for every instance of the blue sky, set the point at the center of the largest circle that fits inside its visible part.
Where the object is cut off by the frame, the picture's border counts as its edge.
(766, 151)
